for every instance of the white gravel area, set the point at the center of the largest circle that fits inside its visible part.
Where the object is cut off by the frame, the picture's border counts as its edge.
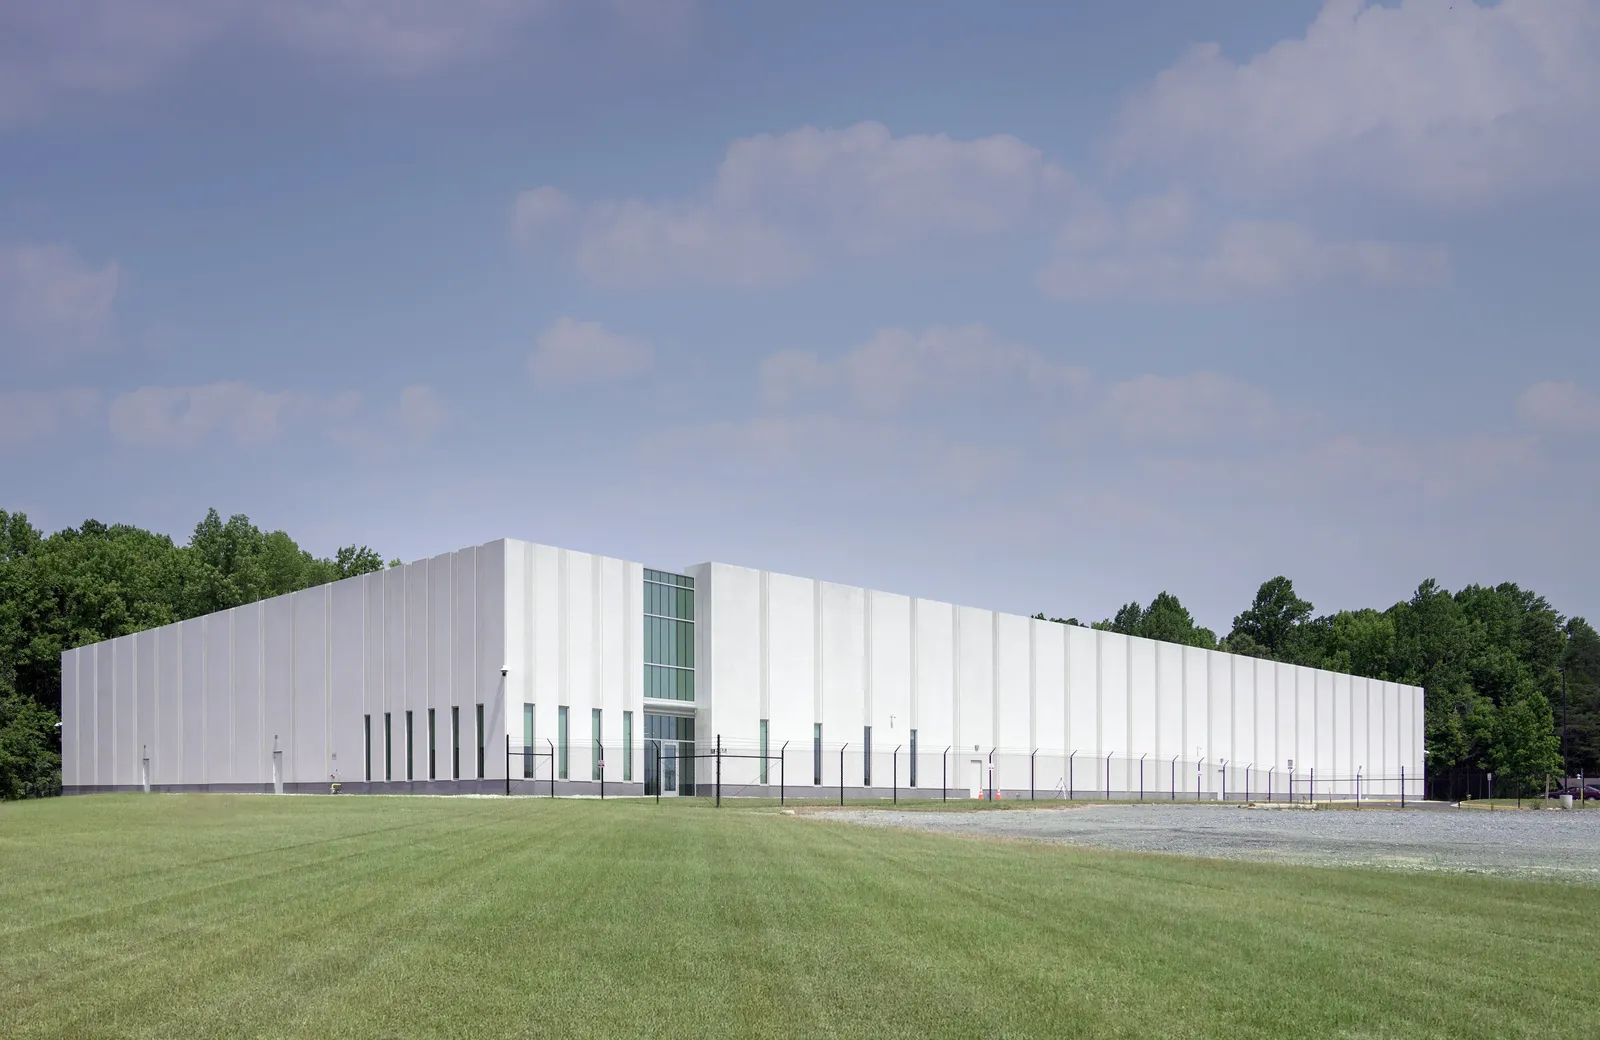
(1551, 845)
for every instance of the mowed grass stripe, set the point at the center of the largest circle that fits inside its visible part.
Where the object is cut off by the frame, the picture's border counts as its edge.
(249, 916)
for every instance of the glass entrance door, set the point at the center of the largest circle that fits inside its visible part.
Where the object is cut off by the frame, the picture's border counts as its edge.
(669, 767)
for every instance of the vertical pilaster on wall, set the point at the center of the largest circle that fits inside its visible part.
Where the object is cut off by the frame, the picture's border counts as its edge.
(1099, 700)
(1127, 679)
(563, 628)
(765, 621)
(817, 650)
(911, 672)
(1066, 688)
(530, 689)
(1033, 685)
(958, 738)
(205, 698)
(866, 657)
(597, 632)
(994, 677)
(328, 753)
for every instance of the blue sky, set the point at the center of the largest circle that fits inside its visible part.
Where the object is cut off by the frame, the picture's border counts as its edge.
(1035, 306)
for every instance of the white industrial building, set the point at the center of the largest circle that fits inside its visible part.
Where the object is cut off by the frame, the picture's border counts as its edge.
(572, 669)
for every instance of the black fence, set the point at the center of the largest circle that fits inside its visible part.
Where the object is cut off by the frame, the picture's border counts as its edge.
(840, 773)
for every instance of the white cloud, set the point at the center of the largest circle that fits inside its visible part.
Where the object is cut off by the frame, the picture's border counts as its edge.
(1158, 248)
(1185, 408)
(56, 301)
(59, 53)
(422, 412)
(1565, 407)
(570, 352)
(29, 416)
(536, 212)
(1436, 101)
(897, 365)
(780, 205)
(192, 416)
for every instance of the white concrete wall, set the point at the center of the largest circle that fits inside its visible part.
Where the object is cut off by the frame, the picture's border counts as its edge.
(208, 700)
(574, 637)
(799, 652)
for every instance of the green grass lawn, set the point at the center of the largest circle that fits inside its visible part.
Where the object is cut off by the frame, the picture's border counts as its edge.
(209, 916)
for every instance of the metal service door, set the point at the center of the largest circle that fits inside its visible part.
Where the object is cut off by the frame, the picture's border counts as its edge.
(277, 772)
(977, 778)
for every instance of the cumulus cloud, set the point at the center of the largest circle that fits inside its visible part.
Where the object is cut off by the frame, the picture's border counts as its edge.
(1159, 247)
(1434, 101)
(236, 414)
(30, 416)
(1186, 407)
(571, 352)
(897, 366)
(71, 51)
(55, 300)
(421, 411)
(1564, 407)
(780, 205)
(192, 416)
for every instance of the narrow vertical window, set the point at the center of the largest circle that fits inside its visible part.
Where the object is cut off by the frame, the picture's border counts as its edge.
(598, 754)
(455, 742)
(480, 742)
(561, 742)
(410, 774)
(913, 758)
(816, 754)
(763, 751)
(433, 773)
(866, 756)
(367, 720)
(388, 750)
(627, 747)
(527, 741)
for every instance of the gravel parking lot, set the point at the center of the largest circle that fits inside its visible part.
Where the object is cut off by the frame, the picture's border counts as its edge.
(1544, 845)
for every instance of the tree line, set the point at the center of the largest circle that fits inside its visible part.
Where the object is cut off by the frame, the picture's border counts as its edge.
(98, 581)
(1492, 662)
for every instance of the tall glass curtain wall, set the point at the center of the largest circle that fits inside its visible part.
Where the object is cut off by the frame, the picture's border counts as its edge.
(668, 636)
(660, 729)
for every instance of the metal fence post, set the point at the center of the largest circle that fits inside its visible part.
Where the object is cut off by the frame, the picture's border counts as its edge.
(1358, 787)
(1141, 776)
(1222, 783)
(508, 765)
(1031, 772)
(944, 774)
(1174, 796)
(1313, 779)
(894, 773)
(991, 774)
(602, 749)
(1402, 787)
(841, 771)
(1108, 774)
(1269, 781)
(783, 763)
(547, 740)
(1069, 774)
(719, 770)
(1199, 776)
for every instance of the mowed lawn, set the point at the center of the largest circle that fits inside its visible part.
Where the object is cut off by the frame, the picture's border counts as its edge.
(198, 916)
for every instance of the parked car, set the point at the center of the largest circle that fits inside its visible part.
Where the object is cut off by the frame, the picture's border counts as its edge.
(1587, 793)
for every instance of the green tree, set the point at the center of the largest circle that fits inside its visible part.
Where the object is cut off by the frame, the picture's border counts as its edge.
(1272, 620)
(1524, 749)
